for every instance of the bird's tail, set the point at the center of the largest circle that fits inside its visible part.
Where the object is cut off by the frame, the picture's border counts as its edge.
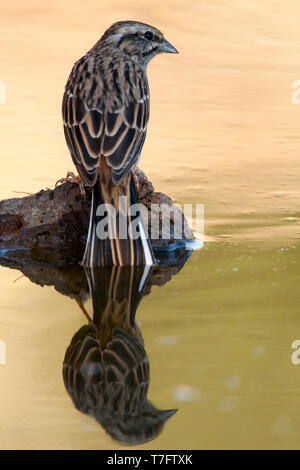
(116, 237)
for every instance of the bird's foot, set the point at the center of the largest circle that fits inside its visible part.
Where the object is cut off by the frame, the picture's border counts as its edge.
(72, 178)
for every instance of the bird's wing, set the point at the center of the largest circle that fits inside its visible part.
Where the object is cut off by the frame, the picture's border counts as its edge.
(101, 120)
(114, 380)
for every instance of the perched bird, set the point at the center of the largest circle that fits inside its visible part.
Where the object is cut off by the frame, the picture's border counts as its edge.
(105, 112)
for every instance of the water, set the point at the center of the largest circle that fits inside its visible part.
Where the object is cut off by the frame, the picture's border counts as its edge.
(218, 335)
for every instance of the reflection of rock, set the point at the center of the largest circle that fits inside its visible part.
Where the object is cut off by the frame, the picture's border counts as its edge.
(43, 269)
(59, 218)
(47, 268)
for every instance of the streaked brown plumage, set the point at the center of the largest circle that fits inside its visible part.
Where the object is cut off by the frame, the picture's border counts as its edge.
(105, 112)
(106, 369)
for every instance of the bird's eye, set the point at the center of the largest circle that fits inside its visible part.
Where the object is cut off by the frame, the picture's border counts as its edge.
(148, 35)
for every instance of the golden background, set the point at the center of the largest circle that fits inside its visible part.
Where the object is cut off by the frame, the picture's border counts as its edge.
(223, 132)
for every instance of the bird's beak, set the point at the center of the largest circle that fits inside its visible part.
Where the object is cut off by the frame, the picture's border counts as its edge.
(167, 47)
(166, 414)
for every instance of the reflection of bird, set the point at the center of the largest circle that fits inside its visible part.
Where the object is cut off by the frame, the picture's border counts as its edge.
(111, 384)
(105, 112)
(106, 369)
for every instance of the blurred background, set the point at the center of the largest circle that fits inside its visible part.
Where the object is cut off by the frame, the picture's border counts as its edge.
(223, 132)
(222, 120)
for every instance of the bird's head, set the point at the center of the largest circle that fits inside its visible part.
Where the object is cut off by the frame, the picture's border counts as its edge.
(138, 40)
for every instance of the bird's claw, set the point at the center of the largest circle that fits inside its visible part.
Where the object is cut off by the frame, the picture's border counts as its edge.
(72, 178)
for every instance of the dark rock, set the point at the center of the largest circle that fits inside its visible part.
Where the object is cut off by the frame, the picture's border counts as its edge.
(58, 218)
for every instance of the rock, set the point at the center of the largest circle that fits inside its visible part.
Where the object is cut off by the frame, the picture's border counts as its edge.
(162, 214)
(58, 219)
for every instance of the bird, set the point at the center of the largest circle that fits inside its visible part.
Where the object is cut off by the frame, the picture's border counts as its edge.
(105, 111)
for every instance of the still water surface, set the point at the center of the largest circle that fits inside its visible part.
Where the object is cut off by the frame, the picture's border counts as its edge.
(223, 132)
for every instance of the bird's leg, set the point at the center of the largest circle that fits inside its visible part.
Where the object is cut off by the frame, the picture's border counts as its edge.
(82, 308)
(72, 178)
(136, 181)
